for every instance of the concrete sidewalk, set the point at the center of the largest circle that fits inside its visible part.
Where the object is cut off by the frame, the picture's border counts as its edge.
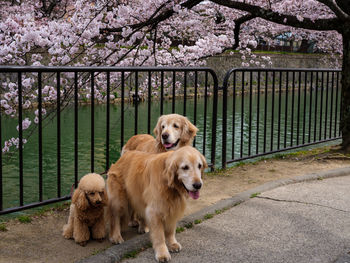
(299, 220)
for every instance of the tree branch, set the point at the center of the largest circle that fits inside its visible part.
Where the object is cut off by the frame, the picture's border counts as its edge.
(344, 5)
(336, 9)
(237, 29)
(288, 20)
(154, 19)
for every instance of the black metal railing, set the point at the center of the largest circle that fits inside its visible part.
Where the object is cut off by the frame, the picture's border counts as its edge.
(274, 110)
(179, 83)
(264, 111)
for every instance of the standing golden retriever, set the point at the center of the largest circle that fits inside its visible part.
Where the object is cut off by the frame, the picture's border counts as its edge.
(155, 187)
(172, 131)
(87, 210)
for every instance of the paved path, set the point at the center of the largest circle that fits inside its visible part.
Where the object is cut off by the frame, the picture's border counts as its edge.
(303, 222)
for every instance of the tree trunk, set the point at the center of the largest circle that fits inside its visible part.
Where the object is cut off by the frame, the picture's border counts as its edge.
(345, 102)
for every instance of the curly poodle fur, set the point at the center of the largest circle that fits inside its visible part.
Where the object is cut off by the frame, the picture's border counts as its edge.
(87, 210)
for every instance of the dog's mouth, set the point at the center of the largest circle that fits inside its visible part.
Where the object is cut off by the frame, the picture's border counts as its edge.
(169, 146)
(193, 194)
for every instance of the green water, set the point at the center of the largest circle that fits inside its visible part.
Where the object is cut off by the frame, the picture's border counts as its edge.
(30, 152)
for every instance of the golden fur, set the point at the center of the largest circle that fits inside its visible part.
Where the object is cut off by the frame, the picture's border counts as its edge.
(155, 187)
(180, 130)
(87, 210)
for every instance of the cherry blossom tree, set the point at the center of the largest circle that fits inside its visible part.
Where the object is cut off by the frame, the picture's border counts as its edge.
(160, 33)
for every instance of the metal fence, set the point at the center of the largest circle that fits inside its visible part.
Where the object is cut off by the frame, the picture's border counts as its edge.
(132, 84)
(274, 110)
(263, 111)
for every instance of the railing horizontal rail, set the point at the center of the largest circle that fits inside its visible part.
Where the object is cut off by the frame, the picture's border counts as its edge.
(163, 89)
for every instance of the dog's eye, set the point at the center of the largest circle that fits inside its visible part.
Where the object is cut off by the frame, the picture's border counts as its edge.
(185, 167)
(176, 126)
(101, 193)
(162, 126)
(91, 193)
(199, 166)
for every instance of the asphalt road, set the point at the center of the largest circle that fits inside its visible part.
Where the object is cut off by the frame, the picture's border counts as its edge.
(302, 222)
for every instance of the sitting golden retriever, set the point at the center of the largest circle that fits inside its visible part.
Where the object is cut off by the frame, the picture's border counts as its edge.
(155, 188)
(87, 210)
(172, 131)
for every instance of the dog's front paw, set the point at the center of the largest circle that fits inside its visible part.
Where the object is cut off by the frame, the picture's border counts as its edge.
(163, 256)
(175, 247)
(142, 229)
(100, 240)
(116, 239)
(82, 243)
(133, 223)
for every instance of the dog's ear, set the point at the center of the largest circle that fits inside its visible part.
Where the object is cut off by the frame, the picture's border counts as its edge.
(158, 129)
(189, 131)
(105, 197)
(79, 199)
(204, 161)
(158, 133)
(170, 171)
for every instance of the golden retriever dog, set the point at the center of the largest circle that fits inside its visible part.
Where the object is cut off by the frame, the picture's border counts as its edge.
(87, 210)
(155, 187)
(172, 131)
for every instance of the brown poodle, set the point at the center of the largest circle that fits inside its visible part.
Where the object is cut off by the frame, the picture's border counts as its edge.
(87, 210)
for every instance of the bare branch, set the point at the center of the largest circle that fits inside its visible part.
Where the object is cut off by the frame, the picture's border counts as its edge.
(344, 5)
(289, 20)
(155, 19)
(336, 9)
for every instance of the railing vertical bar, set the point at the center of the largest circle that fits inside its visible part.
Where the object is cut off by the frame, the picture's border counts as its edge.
(279, 110)
(205, 110)
(310, 106)
(108, 119)
(272, 109)
(242, 115)
(257, 116)
(76, 129)
(286, 111)
(122, 110)
(174, 94)
(224, 126)
(58, 79)
(298, 114)
(234, 115)
(185, 92)
(149, 103)
(40, 137)
(161, 92)
(341, 108)
(265, 107)
(293, 106)
(326, 110)
(316, 99)
(92, 122)
(336, 106)
(250, 112)
(331, 111)
(321, 105)
(304, 113)
(1, 180)
(136, 101)
(195, 102)
(214, 123)
(20, 135)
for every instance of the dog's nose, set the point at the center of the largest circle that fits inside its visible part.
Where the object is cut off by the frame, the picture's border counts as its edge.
(165, 135)
(98, 202)
(197, 186)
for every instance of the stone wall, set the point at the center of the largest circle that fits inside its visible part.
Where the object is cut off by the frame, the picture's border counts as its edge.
(222, 63)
